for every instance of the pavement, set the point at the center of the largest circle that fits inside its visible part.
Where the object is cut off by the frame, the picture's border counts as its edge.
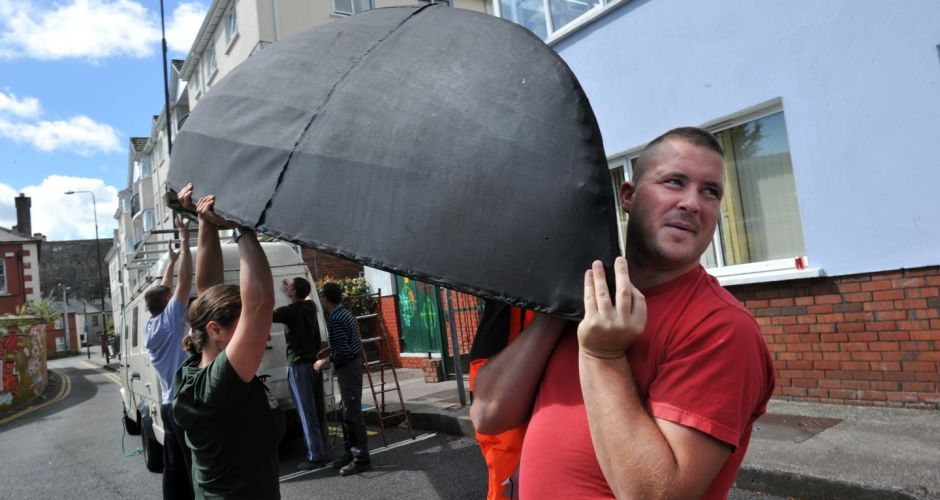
(797, 450)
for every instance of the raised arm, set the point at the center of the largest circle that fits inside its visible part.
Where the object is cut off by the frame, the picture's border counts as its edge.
(504, 389)
(246, 348)
(167, 280)
(185, 282)
(641, 456)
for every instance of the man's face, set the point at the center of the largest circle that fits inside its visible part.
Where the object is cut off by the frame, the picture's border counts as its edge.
(674, 208)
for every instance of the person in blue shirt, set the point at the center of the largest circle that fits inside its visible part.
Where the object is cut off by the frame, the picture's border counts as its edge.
(346, 358)
(164, 340)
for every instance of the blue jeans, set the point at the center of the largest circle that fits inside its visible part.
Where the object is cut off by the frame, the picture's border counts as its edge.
(306, 387)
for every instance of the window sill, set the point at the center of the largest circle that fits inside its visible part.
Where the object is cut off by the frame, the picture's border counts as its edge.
(231, 43)
(768, 276)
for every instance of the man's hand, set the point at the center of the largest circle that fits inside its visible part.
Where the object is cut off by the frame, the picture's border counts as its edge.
(608, 330)
(185, 197)
(172, 254)
(318, 365)
(205, 210)
(183, 226)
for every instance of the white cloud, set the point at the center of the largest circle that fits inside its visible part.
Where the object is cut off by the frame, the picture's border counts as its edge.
(80, 133)
(68, 217)
(7, 206)
(182, 28)
(91, 29)
(27, 107)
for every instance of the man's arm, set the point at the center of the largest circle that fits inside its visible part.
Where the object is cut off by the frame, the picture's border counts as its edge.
(505, 387)
(185, 282)
(640, 456)
(167, 280)
(209, 265)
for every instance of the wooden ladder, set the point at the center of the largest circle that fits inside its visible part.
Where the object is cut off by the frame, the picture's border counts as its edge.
(377, 360)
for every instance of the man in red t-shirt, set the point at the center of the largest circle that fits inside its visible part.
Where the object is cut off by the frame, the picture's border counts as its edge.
(655, 393)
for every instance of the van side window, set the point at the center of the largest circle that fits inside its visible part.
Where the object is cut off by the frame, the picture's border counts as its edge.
(134, 328)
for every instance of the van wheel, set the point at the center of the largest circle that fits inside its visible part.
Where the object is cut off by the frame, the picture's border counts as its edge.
(132, 428)
(153, 453)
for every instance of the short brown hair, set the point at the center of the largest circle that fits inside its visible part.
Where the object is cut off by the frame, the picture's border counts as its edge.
(156, 299)
(690, 135)
(220, 303)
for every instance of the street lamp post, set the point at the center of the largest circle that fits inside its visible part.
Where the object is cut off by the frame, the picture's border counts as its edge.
(94, 206)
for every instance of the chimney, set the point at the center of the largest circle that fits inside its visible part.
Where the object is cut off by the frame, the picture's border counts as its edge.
(24, 225)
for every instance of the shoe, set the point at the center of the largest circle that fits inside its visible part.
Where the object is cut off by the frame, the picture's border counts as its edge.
(354, 468)
(343, 461)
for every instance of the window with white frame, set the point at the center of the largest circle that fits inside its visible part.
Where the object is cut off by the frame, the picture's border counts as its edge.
(231, 25)
(548, 17)
(3, 277)
(195, 81)
(209, 58)
(350, 7)
(145, 167)
(760, 218)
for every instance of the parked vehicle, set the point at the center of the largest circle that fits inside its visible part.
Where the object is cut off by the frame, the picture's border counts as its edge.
(140, 389)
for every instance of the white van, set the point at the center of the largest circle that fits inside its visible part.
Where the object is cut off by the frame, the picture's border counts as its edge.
(140, 386)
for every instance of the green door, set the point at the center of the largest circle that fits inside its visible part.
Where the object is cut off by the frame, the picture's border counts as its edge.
(419, 316)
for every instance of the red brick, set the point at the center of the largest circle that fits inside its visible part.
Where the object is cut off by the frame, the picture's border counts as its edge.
(837, 355)
(883, 346)
(828, 347)
(890, 315)
(854, 346)
(850, 366)
(804, 382)
(919, 366)
(757, 304)
(890, 366)
(913, 325)
(902, 397)
(901, 376)
(894, 336)
(866, 356)
(799, 347)
(826, 365)
(928, 356)
(850, 327)
(876, 285)
(841, 394)
(860, 316)
(806, 319)
(926, 335)
(918, 387)
(933, 281)
(888, 295)
(793, 391)
(845, 288)
(927, 376)
(818, 393)
(885, 386)
(784, 320)
(916, 345)
(868, 375)
(926, 314)
(873, 395)
(907, 282)
(878, 306)
(875, 326)
(820, 309)
(833, 337)
(787, 302)
(828, 299)
(910, 304)
(812, 356)
(803, 301)
(796, 329)
(921, 293)
(827, 328)
(863, 337)
(831, 318)
(767, 294)
(857, 297)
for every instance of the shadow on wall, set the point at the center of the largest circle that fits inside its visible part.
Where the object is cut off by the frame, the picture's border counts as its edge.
(22, 360)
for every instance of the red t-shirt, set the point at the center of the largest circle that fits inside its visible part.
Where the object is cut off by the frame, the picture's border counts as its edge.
(701, 363)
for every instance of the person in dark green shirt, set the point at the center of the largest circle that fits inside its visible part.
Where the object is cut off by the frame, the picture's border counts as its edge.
(232, 424)
(302, 332)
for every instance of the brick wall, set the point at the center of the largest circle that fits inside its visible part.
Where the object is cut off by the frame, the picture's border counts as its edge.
(323, 264)
(870, 339)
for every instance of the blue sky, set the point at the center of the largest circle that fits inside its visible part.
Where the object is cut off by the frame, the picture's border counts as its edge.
(77, 79)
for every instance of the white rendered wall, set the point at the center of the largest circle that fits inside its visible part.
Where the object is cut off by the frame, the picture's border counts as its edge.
(860, 86)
